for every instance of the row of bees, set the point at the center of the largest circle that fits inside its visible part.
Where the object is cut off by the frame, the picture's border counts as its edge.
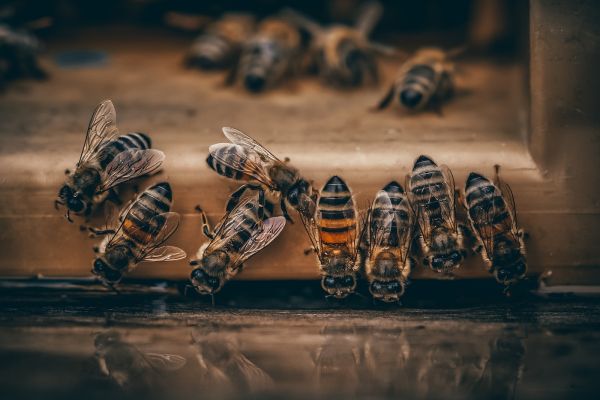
(262, 56)
(376, 242)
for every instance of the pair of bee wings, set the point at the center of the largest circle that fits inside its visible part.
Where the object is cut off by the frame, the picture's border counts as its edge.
(245, 155)
(447, 205)
(388, 224)
(233, 222)
(485, 221)
(160, 231)
(126, 165)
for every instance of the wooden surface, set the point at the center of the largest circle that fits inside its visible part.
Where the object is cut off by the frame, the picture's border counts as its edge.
(323, 131)
(51, 343)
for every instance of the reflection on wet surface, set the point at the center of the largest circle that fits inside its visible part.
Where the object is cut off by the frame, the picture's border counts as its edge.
(157, 346)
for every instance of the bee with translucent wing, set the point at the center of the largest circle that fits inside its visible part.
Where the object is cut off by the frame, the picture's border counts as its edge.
(492, 215)
(240, 234)
(433, 199)
(105, 162)
(335, 238)
(221, 44)
(344, 55)
(425, 79)
(244, 159)
(389, 230)
(269, 56)
(143, 228)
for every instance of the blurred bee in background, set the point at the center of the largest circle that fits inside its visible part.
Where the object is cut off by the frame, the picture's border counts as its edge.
(127, 365)
(492, 215)
(224, 366)
(269, 56)
(433, 199)
(220, 45)
(105, 162)
(240, 234)
(426, 79)
(245, 159)
(18, 54)
(343, 55)
(335, 239)
(138, 236)
(389, 228)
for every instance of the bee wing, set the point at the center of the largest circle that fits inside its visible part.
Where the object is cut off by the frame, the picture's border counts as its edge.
(162, 226)
(369, 14)
(255, 378)
(165, 362)
(165, 253)
(101, 129)
(310, 226)
(131, 164)
(240, 138)
(509, 199)
(242, 159)
(269, 230)
(483, 224)
(449, 207)
(380, 221)
(230, 224)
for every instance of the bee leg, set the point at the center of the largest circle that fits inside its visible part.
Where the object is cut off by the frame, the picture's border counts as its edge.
(58, 203)
(96, 249)
(466, 231)
(68, 216)
(522, 234)
(194, 262)
(309, 250)
(284, 211)
(386, 100)
(205, 224)
(436, 106)
(100, 232)
(114, 197)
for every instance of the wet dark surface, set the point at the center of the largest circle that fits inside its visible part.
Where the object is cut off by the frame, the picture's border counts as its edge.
(282, 340)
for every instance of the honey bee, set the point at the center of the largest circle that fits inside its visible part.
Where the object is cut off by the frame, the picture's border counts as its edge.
(389, 236)
(492, 215)
(220, 45)
(425, 79)
(105, 162)
(433, 199)
(343, 55)
(335, 239)
(244, 159)
(240, 234)
(127, 365)
(225, 367)
(142, 229)
(269, 56)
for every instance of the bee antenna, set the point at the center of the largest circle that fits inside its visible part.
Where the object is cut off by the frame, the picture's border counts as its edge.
(212, 298)
(68, 215)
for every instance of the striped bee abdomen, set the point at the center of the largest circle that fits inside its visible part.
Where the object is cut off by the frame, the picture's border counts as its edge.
(486, 206)
(429, 188)
(235, 160)
(391, 202)
(337, 216)
(130, 141)
(248, 221)
(418, 86)
(144, 220)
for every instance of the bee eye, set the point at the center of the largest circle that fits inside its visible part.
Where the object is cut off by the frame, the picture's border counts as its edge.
(376, 286)
(437, 262)
(348, 281)
(456, 257)
(394, 287)
(329, 282)
(99, 266)
(75, 204)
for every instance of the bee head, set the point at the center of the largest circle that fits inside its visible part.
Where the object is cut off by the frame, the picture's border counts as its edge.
(444, 262)
(301, 198)
(386, 291)
(339, 286)
(205, 283)
(73, 200)
(102, 270)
